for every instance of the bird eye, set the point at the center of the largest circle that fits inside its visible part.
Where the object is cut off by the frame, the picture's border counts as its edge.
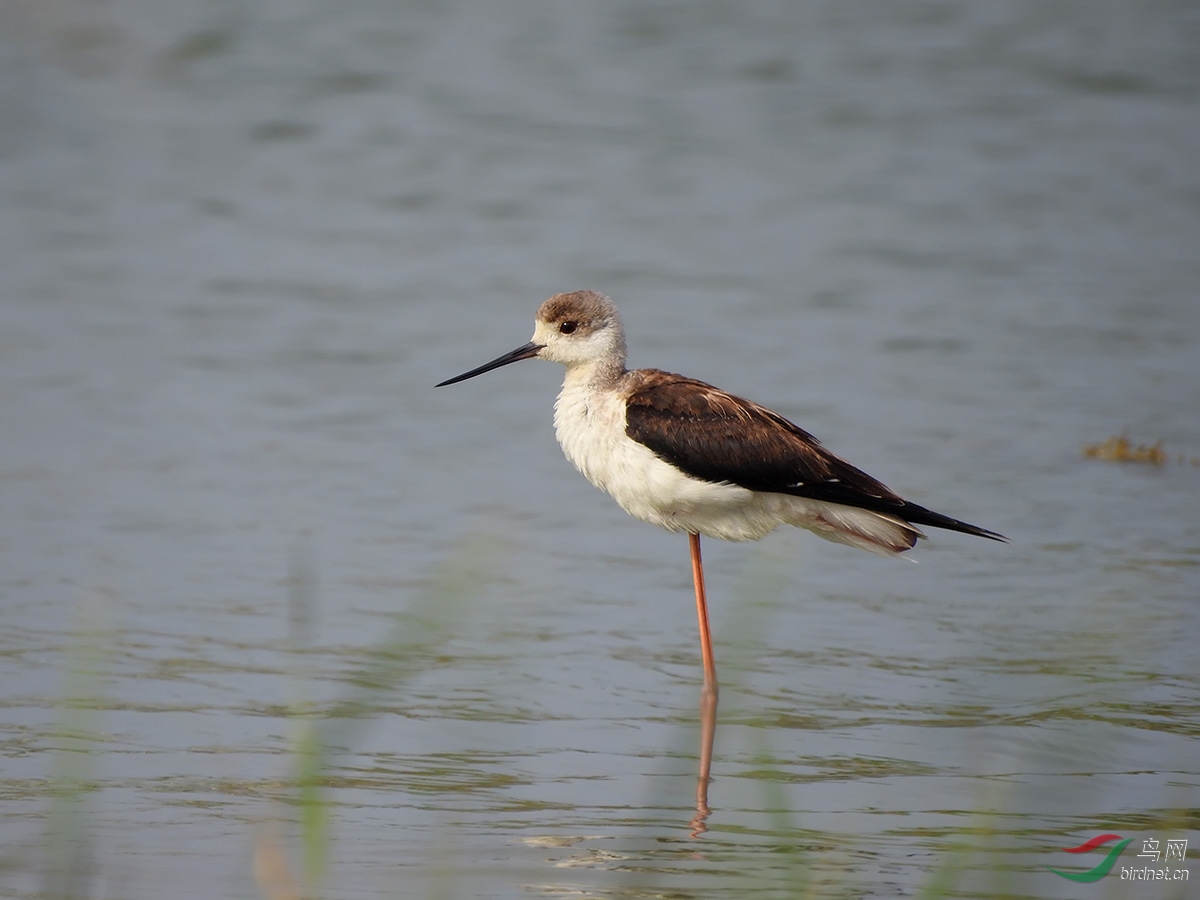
(568, 327)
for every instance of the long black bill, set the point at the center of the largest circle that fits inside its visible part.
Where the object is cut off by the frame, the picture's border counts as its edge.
(528, 350)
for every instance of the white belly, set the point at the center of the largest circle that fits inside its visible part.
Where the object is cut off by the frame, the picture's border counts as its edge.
(590, 426)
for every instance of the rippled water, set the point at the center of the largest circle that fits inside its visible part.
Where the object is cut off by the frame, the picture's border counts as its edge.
(240, 243)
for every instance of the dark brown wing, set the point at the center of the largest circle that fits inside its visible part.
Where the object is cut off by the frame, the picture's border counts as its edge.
(717, 437)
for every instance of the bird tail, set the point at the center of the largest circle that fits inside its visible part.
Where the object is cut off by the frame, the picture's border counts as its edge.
(861, 528)
(887, 534)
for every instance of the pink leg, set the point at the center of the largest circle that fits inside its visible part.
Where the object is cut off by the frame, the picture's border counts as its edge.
(706, 651)
(708, 695)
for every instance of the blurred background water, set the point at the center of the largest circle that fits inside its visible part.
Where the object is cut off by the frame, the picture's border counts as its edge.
(240, 240)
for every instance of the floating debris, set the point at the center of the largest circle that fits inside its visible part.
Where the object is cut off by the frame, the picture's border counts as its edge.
(1119, 449)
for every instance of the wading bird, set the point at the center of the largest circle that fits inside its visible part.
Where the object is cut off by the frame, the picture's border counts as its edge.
(686, 456)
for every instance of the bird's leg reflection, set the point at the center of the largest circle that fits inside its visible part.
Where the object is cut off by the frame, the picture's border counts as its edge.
(708, 695)
(708, 730)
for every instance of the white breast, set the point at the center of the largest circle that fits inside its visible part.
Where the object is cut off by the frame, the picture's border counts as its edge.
(590, 426)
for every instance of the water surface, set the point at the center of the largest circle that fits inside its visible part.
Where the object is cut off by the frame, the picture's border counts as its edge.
(241, 242)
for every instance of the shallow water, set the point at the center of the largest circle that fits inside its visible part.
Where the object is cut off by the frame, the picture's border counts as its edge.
(240, 243)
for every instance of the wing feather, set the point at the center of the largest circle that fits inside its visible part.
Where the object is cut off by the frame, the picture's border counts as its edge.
(714, 436)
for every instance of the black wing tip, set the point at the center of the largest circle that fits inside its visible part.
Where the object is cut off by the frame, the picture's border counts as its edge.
(918, 515)
(894, 506)
(984, 533)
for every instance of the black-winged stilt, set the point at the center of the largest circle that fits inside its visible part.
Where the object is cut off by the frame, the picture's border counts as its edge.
(686, 456)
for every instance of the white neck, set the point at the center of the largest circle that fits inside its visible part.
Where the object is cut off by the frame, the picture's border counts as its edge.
(596, 374)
